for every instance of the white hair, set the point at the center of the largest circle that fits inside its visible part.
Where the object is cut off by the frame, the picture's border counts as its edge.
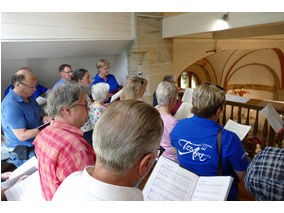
(166, 92)
(100, 91)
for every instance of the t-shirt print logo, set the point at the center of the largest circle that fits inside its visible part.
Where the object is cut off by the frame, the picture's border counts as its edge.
(197, 150)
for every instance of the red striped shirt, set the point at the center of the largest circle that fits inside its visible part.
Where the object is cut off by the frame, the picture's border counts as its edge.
(61, 150)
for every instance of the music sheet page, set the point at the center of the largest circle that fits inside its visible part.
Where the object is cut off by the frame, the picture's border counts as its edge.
(184, 111)
(212, 188)
(240, 129)
(187, 96)
(273, 117)
(169, 181)
(27, 189)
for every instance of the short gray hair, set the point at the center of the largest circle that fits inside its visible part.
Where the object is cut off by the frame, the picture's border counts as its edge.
(166, 92)
(126, 131)
(206, 99)
(64, 95)
(101, 63)
(100, 91)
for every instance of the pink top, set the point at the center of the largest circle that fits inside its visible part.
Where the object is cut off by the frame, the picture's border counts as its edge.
(169, 123)
(61, 150)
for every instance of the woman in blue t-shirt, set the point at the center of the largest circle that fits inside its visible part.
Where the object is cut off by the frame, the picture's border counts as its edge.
(195, 139)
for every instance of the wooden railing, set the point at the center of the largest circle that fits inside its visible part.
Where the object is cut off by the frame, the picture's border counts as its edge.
(248, 114)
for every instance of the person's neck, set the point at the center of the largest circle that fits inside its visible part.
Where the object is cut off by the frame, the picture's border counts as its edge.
(98, 104)
(18, 92)
(164, 110)
(107, 176)
(102, 76)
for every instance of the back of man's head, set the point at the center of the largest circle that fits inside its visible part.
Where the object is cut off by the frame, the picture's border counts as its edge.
(169, 78)
(125, 133)
(64, 95)
(62, 66)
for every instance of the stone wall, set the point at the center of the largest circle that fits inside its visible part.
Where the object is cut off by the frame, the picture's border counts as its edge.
(150, 54)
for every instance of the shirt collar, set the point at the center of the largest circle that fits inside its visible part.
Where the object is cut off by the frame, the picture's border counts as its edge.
(17, 97)
(107, 191)
(204, 121)
(66, 126)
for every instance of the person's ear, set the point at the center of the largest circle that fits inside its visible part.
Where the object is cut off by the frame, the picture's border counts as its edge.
(145, 164)
(219, 111)
(66, 110)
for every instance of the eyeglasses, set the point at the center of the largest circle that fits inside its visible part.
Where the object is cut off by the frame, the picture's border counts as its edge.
(221, 88)
(85, 105)
(160, 151)
(70, 72)
(30, 87)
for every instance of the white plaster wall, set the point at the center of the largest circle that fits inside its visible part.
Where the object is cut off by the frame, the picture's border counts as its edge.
(47, 72)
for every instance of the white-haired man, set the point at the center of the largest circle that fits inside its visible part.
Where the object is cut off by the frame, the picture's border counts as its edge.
(126, 141)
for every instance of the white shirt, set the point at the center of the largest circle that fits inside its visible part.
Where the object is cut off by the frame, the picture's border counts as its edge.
(81, 186)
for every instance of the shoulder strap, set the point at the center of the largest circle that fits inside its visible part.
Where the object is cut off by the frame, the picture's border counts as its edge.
(219, 144)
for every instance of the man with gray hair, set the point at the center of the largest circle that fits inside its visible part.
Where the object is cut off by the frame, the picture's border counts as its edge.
(126, 141)
(60, 147)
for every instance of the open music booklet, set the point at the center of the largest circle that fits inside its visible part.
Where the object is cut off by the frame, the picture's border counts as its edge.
(27, 189)
(171, 182)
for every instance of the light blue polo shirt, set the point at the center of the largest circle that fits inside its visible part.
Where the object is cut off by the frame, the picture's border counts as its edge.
(16, 113)
(61, 81)
(196, 142)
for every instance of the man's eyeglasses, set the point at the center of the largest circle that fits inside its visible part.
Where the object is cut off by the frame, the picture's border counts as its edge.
(28, 86)
(221, 88)
(70, 72)
(160, 151)
(85, 105)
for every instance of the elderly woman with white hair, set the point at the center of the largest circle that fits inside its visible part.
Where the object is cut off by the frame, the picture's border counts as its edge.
(166, 94)
(100, 93)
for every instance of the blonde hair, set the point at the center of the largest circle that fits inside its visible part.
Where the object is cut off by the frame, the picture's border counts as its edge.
(133, 88)
(166, 92)
(100, 91)
(206, 99)
(125, 132)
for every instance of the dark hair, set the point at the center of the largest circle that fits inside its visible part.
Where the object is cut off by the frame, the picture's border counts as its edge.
(17, 78)
(78, 74)
(62, 66)
(168, 78)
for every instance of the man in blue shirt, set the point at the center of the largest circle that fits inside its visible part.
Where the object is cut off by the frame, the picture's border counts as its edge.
(104, 76)
(39, 90)
(195, 139)
(65, 71)
(20, 117)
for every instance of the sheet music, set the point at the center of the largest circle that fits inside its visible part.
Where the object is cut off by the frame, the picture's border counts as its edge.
(41, 100)
(29, 167)
(184, 111)
(27, 189)
(212, 188)
(169, 181)
(240, 129)
(187, 96)
(32, 162)
(235, 98)
(273, 117)
(115, 96)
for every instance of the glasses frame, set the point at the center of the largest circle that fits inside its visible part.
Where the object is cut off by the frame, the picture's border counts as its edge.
(30, 87)
(160, 151)
(85, 105)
